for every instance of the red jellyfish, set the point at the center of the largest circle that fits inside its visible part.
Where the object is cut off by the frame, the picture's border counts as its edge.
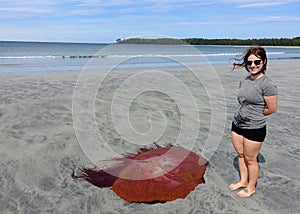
(156, 174)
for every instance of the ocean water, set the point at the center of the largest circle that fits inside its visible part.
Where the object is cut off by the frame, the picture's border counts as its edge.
(60, 57)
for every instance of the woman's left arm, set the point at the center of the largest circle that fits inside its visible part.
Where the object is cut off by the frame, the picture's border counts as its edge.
(271, 104)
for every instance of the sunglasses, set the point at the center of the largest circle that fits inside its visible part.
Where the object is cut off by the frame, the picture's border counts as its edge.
(256, 62)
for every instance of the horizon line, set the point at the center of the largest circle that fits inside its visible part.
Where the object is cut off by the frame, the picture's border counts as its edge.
(90, 42)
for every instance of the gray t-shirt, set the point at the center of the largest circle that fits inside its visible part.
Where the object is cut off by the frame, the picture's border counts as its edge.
(249, 114)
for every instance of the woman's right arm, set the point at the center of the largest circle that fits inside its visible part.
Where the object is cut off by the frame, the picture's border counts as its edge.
(271, 104)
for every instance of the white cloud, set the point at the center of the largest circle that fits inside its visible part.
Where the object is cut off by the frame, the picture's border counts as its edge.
(56, 8)
(279, 18)
(22, 9)
(260, 4)
(252, 4)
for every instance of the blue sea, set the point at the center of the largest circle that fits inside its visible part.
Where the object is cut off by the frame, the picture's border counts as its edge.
(61, 57)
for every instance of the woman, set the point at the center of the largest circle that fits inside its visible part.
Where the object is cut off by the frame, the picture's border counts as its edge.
(257, 97)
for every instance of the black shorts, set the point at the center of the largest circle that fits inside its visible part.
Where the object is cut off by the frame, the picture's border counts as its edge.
(251, 134)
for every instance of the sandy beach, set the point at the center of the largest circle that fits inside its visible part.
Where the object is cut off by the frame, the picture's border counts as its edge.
(39, 148)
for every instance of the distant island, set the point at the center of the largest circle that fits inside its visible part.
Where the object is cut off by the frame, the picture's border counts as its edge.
(201, 41)
(159, 41)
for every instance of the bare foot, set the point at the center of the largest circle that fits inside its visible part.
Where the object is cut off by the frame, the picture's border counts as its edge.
(245, 193)
(237, 185)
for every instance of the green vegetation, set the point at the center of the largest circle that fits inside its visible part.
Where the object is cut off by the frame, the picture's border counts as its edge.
(158, 41)
(265, 42)
(201, 41)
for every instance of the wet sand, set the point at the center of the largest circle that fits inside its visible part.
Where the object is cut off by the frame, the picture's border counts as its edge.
(39, 149)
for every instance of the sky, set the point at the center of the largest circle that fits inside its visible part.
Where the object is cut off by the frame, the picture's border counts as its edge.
(105, 21)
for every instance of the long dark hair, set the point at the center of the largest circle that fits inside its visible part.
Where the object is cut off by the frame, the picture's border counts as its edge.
(256, 50)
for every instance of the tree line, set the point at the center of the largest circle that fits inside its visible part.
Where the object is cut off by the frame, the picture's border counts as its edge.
(159, 41)
(202, 41)
(264, 42)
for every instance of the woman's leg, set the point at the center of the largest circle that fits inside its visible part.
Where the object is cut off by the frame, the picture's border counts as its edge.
(251, 150)
(238, 144)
